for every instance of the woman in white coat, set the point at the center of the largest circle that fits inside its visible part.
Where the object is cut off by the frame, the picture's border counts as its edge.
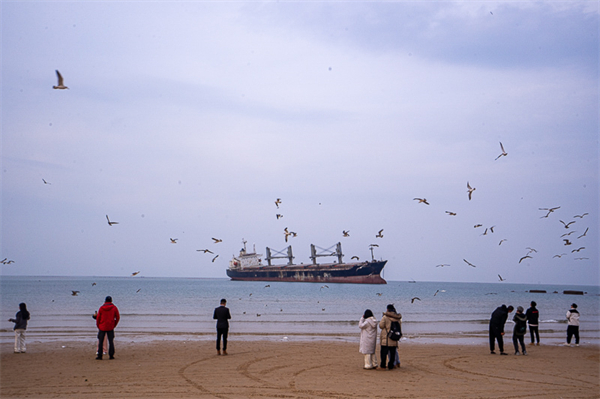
(368, 339)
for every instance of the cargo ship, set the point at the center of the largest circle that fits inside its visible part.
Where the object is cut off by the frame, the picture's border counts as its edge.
(248, 266)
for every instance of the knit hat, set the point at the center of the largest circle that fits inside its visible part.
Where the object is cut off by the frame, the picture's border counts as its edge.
(519, 308)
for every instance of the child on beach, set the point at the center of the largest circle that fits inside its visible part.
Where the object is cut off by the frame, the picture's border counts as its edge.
(519, 330)
(20, 321)
(368, 339)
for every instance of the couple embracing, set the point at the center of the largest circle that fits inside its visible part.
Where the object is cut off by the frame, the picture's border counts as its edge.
(390, 325)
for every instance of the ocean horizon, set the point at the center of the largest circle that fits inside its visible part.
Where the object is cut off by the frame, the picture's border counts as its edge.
(181, 308)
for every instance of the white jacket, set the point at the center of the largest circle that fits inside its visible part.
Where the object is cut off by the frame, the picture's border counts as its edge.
(573, 317)
(368, 335)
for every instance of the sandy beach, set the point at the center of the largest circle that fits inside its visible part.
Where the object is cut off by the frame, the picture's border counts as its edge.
(267, 369)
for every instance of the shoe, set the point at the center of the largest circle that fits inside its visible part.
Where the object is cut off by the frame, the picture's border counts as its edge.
(218, 353)
(538, 344)
(492, 353)
(517, 354)
(111, 358)
(504, 353)
(224, 352)
(567, 344)
(575, 345)
(524, 353)
(98, 357)
(17, 351)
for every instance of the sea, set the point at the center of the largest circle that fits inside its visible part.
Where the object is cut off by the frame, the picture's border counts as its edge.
(182, 309)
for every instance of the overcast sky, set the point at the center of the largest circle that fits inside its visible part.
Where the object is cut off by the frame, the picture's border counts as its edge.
(187, 120)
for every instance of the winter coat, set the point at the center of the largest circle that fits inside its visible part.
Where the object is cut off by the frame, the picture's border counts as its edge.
(520, 324)
(498, 319)
(573, 317)
(533, 316)
(108, 317)
(385, 324)
(20, 321)
(368, 335)
(222, 315)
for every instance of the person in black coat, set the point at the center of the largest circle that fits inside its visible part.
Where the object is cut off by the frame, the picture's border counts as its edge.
(533, 316)
(222, 316)
(497, 322)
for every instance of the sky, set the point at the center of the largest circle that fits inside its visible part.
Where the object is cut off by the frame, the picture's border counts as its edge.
(187, 120)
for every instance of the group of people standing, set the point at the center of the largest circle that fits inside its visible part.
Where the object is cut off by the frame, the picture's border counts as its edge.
(388, 354)
(531, 317)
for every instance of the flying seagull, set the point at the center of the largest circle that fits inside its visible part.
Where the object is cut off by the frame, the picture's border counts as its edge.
(576, 216)
(442, 265)
(550, 210)
(355, 257)
(577, 250)
(525, 257)
(567, 224)
(451, 213)
(346, 233)
(500, 277)
(324, 286)
(213, 260)
(504, 153)
(568, 234)
(278, 216)
(470, 190)
(205, 251)
(45, 182)
(584, 233)
(379, 235)
(412, 300)
(277, 202)
(173, 240)
(502, 240)
(74, 293)
(217, 240)
(558, 256)
(531, 250)
(469, 263)
(421, 200)
(109, 222)
(61, 85)
(567, 242)
(135, 273)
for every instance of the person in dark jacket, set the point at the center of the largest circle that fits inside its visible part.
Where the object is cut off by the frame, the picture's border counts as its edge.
(106, 320)
(497, 322)
(533, 317)
(519, 330)
(222, 316)
(20, 321)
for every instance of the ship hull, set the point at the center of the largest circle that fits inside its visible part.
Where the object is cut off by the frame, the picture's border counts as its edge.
(355, 273)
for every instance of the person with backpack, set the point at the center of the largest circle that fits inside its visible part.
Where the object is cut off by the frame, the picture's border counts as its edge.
(390, 326)
(519, 330)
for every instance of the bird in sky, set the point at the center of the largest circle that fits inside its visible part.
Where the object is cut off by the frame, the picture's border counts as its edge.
(217, 240)
(355, 257)
(5, 261)
(277, 202)
(61, 84)
(504, 153)
(451, 213)
(568, 234)
(421, 200)
(288, 233)
(173, 240)
(550, 210)
(577, 250)
(485, 232)
(213, 259)
(558, 256)
(74, 293)
(436, 292)
(567, 224)
(502, 240)
(469, 263)
(412, 300)
(442, 265)
(500, 277)
(267, 286)
(379, 235)
(324, 286)
(93, 284)
(531, 250)
(525, 257)
(470, 190)
(581, 258)
(205, 251)
(138, 290)
(379, 294)
(346, 233)
(477, 225)
(373, 245)
(109, 222)
(278, 216)
(135, 273)
(567, 242)
(45, 182)
(584, 233)
(581, 216)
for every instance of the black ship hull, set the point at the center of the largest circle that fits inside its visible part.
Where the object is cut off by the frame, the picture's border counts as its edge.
(354, 273)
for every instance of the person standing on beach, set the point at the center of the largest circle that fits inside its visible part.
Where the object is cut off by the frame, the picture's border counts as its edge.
(388, 346)
(20, 321)
(573, 325)
(105, 344)
(106, 320)
(368, 339)
(222, 316)
(519, 330)
(497, 322)
(533, 316)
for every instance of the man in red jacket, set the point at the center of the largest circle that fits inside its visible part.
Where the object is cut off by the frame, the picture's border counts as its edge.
(106, 321)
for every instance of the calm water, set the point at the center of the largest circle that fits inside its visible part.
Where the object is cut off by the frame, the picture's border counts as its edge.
(181, 308)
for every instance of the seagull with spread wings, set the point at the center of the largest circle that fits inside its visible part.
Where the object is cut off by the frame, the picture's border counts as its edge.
(504, 153)
(550, 210)
(567, 224)
(379, 235)
(109, 222)
(584, 233)
(61, 84)
(469, 263)
(421, 200)
(217, 240)
(470, 190)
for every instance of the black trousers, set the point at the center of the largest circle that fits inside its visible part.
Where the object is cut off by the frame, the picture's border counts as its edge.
(111, 344)
(390, 352)
(519, 339)
(222, 332)
(496, 335)
(533, 330)
(572, 330)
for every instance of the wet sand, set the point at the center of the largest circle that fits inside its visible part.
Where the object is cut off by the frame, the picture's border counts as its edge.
(267, 369)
